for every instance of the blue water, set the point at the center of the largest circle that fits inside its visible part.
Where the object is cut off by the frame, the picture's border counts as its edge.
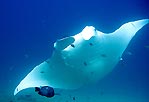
(28, 29)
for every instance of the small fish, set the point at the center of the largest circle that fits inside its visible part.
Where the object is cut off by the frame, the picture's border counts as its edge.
(147, 46)
(46, 91)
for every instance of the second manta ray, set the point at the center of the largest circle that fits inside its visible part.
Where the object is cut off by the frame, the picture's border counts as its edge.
(82, 59)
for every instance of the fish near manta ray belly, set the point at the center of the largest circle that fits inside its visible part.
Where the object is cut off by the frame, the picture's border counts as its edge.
(45, 91)
(82, 59)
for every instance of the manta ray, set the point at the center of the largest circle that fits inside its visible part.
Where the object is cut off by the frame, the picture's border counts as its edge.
(82, 59)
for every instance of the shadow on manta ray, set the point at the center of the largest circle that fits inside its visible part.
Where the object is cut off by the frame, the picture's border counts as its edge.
(81, 59)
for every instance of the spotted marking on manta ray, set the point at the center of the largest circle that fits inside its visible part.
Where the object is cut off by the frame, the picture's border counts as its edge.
(85, 64)
(42, 72)
(72, 45)
(91, 44)
(103, 55)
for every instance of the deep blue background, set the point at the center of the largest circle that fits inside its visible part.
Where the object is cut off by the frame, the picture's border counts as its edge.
(28, 29)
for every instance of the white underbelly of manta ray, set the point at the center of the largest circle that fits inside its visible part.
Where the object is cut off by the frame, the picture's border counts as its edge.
(81, 59)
